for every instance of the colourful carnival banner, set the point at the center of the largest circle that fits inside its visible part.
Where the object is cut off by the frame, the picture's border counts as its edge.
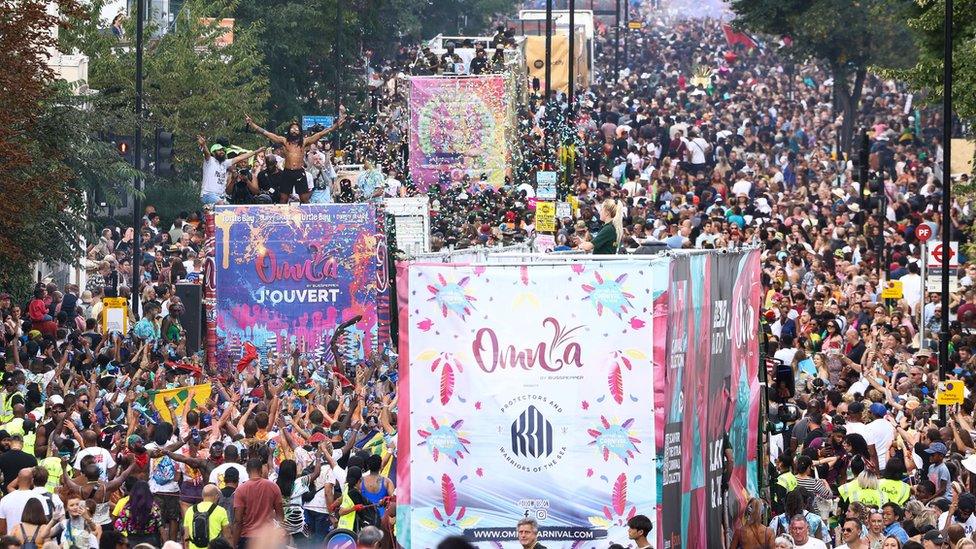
(525, 391)
(712, 389)
(286, 276)
(458, 127)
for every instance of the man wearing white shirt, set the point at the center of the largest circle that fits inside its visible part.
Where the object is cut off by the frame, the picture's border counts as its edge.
(911, 285)
(851, 535)
(215, 165)
(880, 433)
(802, 539)
(103, 458)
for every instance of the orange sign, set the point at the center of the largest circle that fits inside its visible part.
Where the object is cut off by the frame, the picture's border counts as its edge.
(224, 38)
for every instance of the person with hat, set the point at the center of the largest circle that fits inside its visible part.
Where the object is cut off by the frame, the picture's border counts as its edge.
(215, 165)
(938, 473)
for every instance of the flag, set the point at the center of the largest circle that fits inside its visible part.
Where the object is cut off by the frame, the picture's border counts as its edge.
(181, 394)
(735, 38)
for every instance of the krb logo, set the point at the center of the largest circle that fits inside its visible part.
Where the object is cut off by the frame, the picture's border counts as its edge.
(531, 434)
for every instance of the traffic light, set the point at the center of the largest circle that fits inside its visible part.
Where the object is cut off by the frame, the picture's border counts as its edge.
(164, 154)
(124, 146)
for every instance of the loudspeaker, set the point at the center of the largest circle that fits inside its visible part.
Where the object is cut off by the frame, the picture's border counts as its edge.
(192, 297)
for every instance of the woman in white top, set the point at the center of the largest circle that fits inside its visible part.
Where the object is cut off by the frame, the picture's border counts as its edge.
(77, 529)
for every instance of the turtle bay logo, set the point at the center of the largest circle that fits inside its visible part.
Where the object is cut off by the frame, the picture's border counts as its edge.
(534, 441)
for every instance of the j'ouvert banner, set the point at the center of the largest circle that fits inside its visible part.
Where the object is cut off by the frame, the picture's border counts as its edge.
(525, 391)
(288, 275)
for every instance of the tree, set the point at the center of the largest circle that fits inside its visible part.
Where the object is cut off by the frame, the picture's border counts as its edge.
(848, 36)
(927, 24)
(302, 39)
(191, 84)
(43, 138)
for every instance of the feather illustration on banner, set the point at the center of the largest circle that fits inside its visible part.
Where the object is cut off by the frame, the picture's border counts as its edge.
(451, 516)
(616, 381)
(447, 362)
(616, 514)
(447, 383)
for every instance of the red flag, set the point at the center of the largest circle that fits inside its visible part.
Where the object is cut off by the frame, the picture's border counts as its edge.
(738, 38)
(250, 355)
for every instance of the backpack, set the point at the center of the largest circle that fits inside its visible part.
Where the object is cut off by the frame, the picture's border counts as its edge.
(200, 527)
(29, 543)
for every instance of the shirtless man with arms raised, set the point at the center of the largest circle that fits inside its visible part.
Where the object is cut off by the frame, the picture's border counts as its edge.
(293, 176)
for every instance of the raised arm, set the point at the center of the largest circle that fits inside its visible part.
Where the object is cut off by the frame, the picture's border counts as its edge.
(241, 158)
(319, 135)
(272, 137)
(202, 141)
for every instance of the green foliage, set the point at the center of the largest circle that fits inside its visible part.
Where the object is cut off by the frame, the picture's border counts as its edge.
(171, 198)
(848, 36)
(191, 85)
(927, 23)
(301, 40)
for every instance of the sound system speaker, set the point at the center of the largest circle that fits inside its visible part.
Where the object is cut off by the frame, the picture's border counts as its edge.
(192, 297)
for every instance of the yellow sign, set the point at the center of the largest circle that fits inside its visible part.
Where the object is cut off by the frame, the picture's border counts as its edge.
(892, 290)
(950, 392)
(201, 394)
(545, 217)
(573, 203)
(635, 25)
(115, 315)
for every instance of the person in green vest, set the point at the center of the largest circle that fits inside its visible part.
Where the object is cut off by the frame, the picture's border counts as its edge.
(606, 241)
(353, 500)
(865, 489)
(785, 481)
(12, 395)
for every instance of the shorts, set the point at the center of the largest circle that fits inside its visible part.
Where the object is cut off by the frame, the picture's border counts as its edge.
(169, 506)
(292, 181)
(191, 493)
(209, 199)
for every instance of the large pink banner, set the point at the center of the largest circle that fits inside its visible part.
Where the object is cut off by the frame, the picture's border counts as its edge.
(458, 127)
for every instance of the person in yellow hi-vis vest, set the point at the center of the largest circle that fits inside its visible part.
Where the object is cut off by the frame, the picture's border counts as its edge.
(865, 489)
(13, 394)
(353, 502)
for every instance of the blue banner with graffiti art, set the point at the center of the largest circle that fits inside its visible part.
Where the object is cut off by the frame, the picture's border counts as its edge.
(286, 276)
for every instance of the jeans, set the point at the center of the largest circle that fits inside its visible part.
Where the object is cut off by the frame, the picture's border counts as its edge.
(319, 525)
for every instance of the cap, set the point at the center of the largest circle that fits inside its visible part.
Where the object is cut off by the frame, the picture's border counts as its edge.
(55, 400)
(934, 536)
(4, 434)
(878, 409)
(934, 448)
(216, 147)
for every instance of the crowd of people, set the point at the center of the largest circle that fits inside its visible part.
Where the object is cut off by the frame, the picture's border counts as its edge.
(694, 144)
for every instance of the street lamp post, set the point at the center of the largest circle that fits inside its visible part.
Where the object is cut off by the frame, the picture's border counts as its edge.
(946, 197)
(137, 162)
(548, 87)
